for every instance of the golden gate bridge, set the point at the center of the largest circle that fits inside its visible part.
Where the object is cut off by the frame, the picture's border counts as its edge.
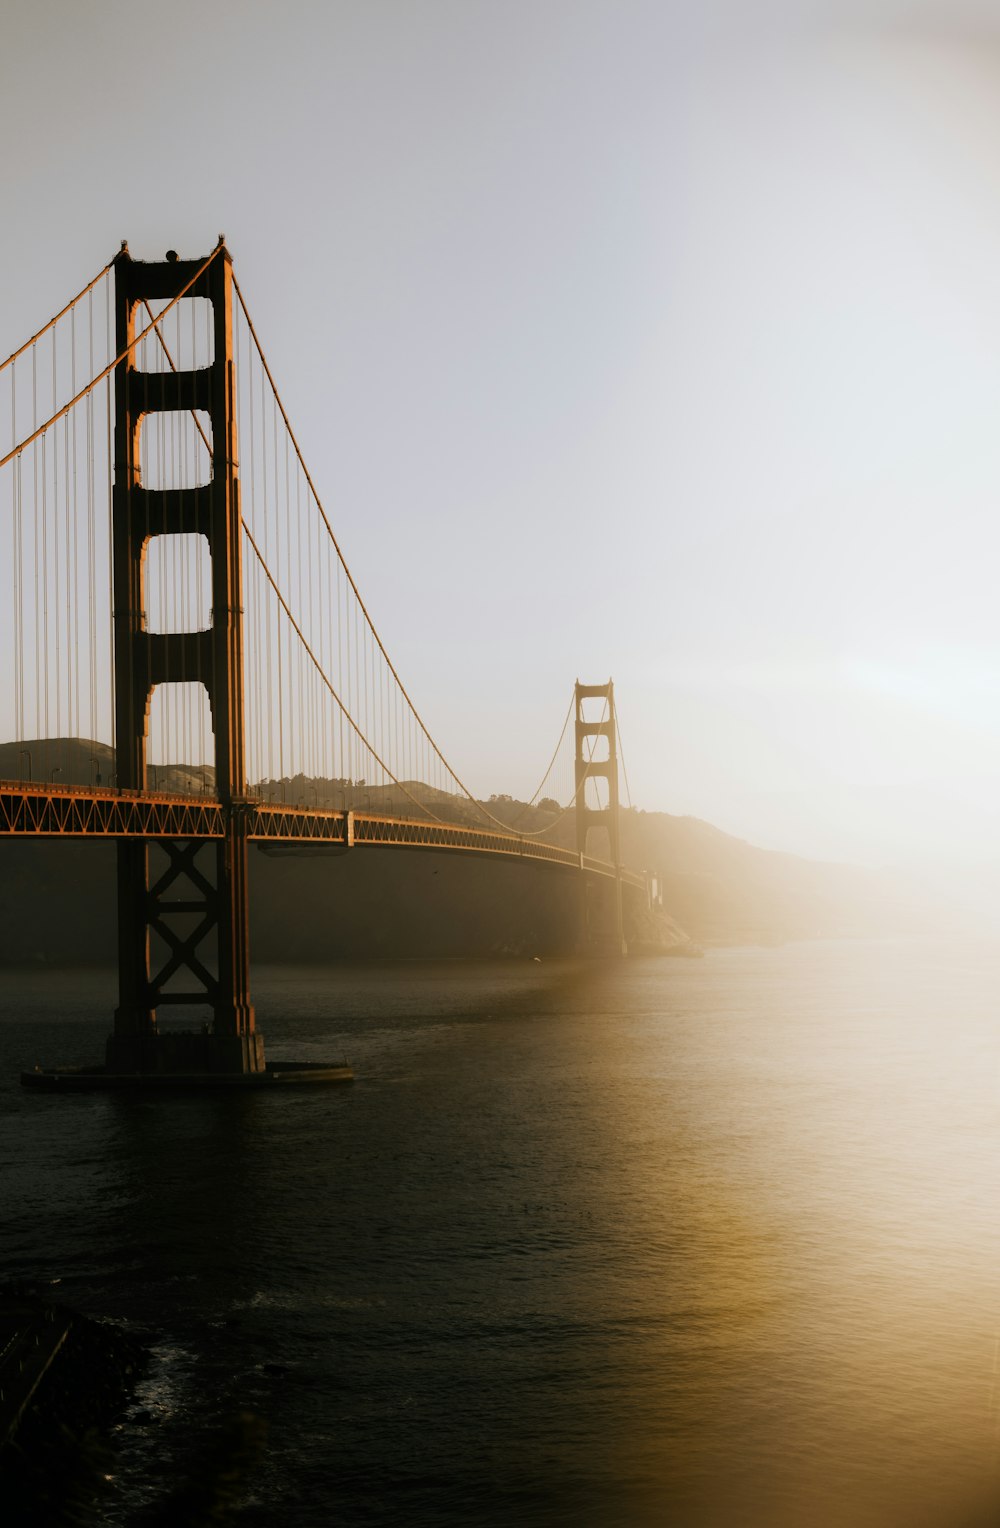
(176, 586)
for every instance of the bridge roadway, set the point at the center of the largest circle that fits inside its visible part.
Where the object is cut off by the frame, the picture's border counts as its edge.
(87, 812)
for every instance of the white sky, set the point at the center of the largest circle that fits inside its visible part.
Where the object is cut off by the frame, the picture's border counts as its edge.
(617, 343)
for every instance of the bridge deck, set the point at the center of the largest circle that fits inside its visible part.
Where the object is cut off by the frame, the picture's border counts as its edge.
(88, 812)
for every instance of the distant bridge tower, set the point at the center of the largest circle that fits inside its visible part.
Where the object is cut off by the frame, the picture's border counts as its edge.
(197, 911)
(595, 762)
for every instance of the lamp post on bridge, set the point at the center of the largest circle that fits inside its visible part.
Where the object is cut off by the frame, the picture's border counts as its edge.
(25, 753)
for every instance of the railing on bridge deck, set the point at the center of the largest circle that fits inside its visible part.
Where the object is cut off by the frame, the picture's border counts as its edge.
(66, 811)
(50, 811)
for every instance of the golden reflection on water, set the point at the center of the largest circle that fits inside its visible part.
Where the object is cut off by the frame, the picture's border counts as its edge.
(807, 1174)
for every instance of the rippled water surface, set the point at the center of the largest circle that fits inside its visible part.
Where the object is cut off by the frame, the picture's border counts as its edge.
(692, 1242)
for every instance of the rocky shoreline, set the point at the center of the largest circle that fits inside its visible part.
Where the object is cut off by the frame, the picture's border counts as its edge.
(64, 1381)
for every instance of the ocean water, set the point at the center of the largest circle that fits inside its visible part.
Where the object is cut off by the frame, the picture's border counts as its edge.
(699, 1243)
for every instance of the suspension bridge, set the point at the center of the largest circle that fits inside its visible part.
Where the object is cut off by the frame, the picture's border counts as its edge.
(176, 587)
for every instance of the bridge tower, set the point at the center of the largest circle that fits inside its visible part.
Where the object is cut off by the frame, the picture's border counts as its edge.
(601, 934)
(196, 903)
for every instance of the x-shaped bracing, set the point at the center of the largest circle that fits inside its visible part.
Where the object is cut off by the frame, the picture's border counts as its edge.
(183, 947)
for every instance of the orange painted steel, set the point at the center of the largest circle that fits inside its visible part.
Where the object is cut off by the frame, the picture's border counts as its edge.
(46, 811)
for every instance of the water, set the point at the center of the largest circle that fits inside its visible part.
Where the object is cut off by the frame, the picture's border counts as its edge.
(691, 1242)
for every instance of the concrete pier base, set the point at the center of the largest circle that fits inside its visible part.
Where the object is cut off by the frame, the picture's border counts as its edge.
(189, 1050)
(185, 1059)
(280, 1074)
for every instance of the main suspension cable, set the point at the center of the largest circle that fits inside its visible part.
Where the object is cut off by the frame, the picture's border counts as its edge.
(53, 321)
(621, 755)
(357, 593)
(573, 800)
(319, 669)
(111, 366)
(280, 597)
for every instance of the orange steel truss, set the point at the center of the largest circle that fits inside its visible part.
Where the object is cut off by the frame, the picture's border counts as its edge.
(39, 811)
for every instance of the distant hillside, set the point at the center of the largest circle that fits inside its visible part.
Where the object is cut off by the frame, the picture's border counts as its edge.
(723, 890)
(57, 899)
(77, 761)
(726, 891)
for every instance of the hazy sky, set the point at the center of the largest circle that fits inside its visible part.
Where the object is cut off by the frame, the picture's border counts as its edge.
(618, 342)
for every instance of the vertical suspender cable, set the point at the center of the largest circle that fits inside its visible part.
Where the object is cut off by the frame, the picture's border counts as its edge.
(74, 641)
(111, 579)
(92, 725)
